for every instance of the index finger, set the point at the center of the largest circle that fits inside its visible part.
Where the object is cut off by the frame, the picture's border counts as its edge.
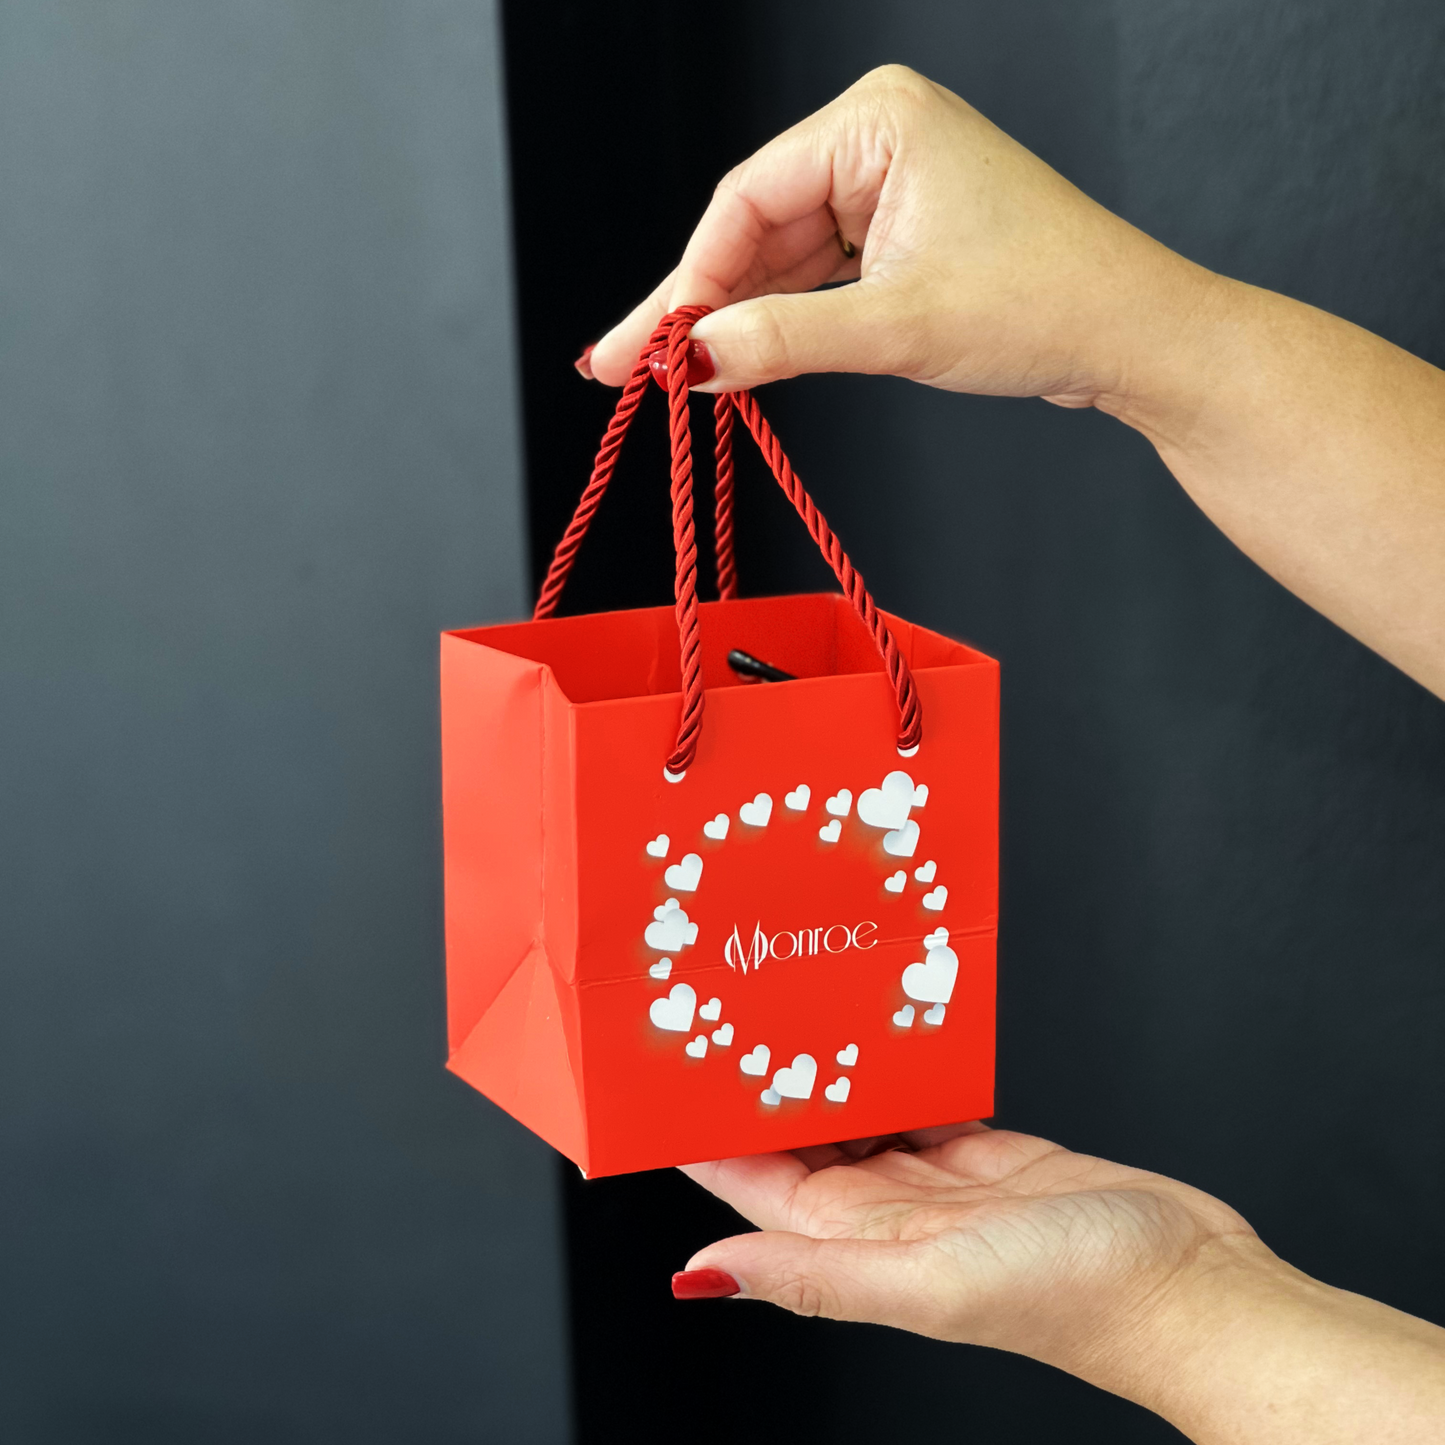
(759, 1186)
(771, 226)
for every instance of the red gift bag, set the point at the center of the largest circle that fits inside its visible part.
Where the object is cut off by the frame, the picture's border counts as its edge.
(768, 925)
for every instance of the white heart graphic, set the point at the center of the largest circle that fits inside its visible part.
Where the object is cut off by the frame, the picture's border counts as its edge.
(711, 1010)
(796, 1080)
(837, 1091)
(887, 807)
(757, 813)
(658, 847)
(771, 1098)
(684, 875)
(926, 872)
(698, 1047)
(675, 1011)
(932, 982)
(839, 803)
(797, 800)
(755, 1063)
(831, 832)
(920, 795)
(849, 1056)
(936, 899)
(896, 882)
(718, 827)
(933, 1015)
(902, 841)
(723, 1036)
(904, 1017)
(671, 931)
(661, 970)
(939, 935)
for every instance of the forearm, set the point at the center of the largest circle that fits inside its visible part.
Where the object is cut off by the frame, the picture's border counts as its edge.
(1248, 1351)
(1316, 446)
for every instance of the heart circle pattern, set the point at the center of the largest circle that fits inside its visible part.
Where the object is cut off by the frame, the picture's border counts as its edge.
(886, 808)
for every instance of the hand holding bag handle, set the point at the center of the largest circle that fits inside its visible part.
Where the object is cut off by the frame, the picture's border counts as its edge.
(672, 333)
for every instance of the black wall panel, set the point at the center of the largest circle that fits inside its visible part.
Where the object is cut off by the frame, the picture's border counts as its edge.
(1223, 935)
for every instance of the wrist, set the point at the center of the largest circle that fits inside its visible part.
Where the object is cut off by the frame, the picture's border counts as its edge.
(1241, 1346)
(1170, 370)
(1233, 1290)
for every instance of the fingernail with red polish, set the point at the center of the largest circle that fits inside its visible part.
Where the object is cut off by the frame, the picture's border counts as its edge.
(700, 366)
(704, 1284)
(584, 364)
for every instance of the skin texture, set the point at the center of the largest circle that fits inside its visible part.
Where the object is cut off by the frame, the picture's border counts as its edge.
(1317, 447)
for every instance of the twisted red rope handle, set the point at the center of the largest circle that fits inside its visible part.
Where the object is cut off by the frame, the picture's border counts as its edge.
(685, 583)
(910, 710)
(602, 469)
(672, 332)
(722, 530)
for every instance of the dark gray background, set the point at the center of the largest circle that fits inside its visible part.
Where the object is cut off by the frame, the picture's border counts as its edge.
(1223, 926)
(258, 445)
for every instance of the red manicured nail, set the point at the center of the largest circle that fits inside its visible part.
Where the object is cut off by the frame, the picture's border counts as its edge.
(584, 364)
(700, 366)
(704, 1284)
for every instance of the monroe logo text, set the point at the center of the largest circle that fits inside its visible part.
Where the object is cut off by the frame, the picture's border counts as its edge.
(796, 943)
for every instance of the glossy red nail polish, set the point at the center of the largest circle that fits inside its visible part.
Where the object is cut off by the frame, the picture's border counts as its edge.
(700, 366)
(704, 1284)
(584, 364)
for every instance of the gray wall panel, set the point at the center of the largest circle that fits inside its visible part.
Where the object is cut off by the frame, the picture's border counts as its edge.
(258, 444)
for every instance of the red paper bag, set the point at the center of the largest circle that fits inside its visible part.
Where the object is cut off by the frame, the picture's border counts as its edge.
(771, 926)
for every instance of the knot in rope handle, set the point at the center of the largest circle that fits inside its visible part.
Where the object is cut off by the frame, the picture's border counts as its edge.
(671, 337)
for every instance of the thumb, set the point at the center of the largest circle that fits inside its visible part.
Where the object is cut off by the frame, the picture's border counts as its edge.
(875, 1281)
(857, 327)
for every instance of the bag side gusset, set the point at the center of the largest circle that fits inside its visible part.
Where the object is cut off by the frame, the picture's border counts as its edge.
(510, 877)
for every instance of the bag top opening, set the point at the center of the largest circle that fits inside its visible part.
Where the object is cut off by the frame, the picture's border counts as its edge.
(603, 656)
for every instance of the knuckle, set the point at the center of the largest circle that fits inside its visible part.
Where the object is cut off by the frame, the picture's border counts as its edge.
(900, 83)
(802, 1295)
(892, 74)
(765, 344)
(730, 182)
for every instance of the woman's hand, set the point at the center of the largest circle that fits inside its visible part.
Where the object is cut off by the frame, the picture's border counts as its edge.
(1318, 448)
(975, 1235)
(1134, 1282)
(979, 268)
